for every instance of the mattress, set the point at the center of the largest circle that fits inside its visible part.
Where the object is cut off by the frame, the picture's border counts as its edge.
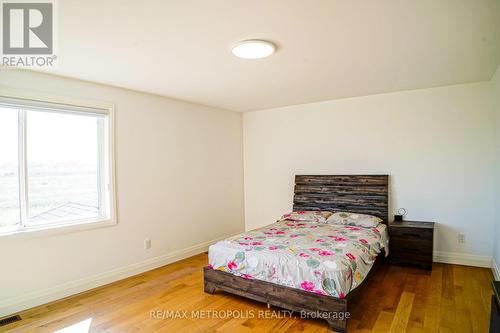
(318, 257)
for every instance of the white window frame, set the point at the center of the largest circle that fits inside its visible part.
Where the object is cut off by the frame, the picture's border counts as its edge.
(60, 104)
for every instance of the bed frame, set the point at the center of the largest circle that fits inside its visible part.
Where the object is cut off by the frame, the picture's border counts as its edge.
(366, 194)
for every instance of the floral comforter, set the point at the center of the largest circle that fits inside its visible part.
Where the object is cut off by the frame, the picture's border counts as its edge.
(328, 259)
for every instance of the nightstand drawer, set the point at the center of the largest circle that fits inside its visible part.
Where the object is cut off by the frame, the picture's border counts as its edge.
(410, 233)
(411, 245)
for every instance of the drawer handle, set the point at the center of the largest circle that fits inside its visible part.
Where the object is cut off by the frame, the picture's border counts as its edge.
(409, 249)
(410, 234)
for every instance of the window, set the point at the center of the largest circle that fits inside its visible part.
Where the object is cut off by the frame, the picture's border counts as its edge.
(55, 165)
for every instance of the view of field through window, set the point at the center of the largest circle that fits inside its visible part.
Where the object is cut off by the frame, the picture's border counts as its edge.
(9, 168)
(62, 159)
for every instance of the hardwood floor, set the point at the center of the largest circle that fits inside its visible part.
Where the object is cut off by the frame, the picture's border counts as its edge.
(399, 299)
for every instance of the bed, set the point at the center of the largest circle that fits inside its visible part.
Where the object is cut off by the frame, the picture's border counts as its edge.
(316, 269)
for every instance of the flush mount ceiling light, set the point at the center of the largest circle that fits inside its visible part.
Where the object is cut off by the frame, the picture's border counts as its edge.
(253, 49)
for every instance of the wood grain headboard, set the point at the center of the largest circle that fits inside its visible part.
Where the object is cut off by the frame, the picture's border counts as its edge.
(364, 194)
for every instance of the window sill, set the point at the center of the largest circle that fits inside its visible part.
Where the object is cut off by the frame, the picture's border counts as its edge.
(58, 229)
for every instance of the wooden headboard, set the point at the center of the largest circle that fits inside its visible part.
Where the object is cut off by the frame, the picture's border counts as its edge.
(367, 194)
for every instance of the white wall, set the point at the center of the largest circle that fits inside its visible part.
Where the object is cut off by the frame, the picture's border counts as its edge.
(436, 144)
(496, 107)
(179, 178)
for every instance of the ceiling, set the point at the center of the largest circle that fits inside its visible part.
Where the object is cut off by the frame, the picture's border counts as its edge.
(327, 49)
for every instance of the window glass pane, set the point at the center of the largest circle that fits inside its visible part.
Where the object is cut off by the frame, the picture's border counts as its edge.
(62, 157)
(9, 168)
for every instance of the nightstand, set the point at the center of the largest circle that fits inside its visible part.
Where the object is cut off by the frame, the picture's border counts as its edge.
(411, 242)
(495, 309)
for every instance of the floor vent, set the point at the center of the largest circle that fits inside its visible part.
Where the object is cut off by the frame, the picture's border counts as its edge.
(9, 320)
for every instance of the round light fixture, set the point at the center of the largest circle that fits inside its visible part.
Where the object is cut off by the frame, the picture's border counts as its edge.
(253, 49)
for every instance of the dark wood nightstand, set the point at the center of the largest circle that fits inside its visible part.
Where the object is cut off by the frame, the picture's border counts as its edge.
(411, 242)
(495, 309)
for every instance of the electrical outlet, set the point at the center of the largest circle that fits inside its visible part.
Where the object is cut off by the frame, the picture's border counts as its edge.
(147, 244)
(461, 238)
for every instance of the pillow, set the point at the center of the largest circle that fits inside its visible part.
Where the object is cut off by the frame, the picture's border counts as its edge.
(360, 220)
(307, 216)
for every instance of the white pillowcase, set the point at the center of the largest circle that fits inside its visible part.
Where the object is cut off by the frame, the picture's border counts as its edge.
(307, 216)
(360, 220)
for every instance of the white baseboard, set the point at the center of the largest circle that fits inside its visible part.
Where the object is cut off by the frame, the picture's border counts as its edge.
(462, 259)
(23, 302)
(494, 269)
